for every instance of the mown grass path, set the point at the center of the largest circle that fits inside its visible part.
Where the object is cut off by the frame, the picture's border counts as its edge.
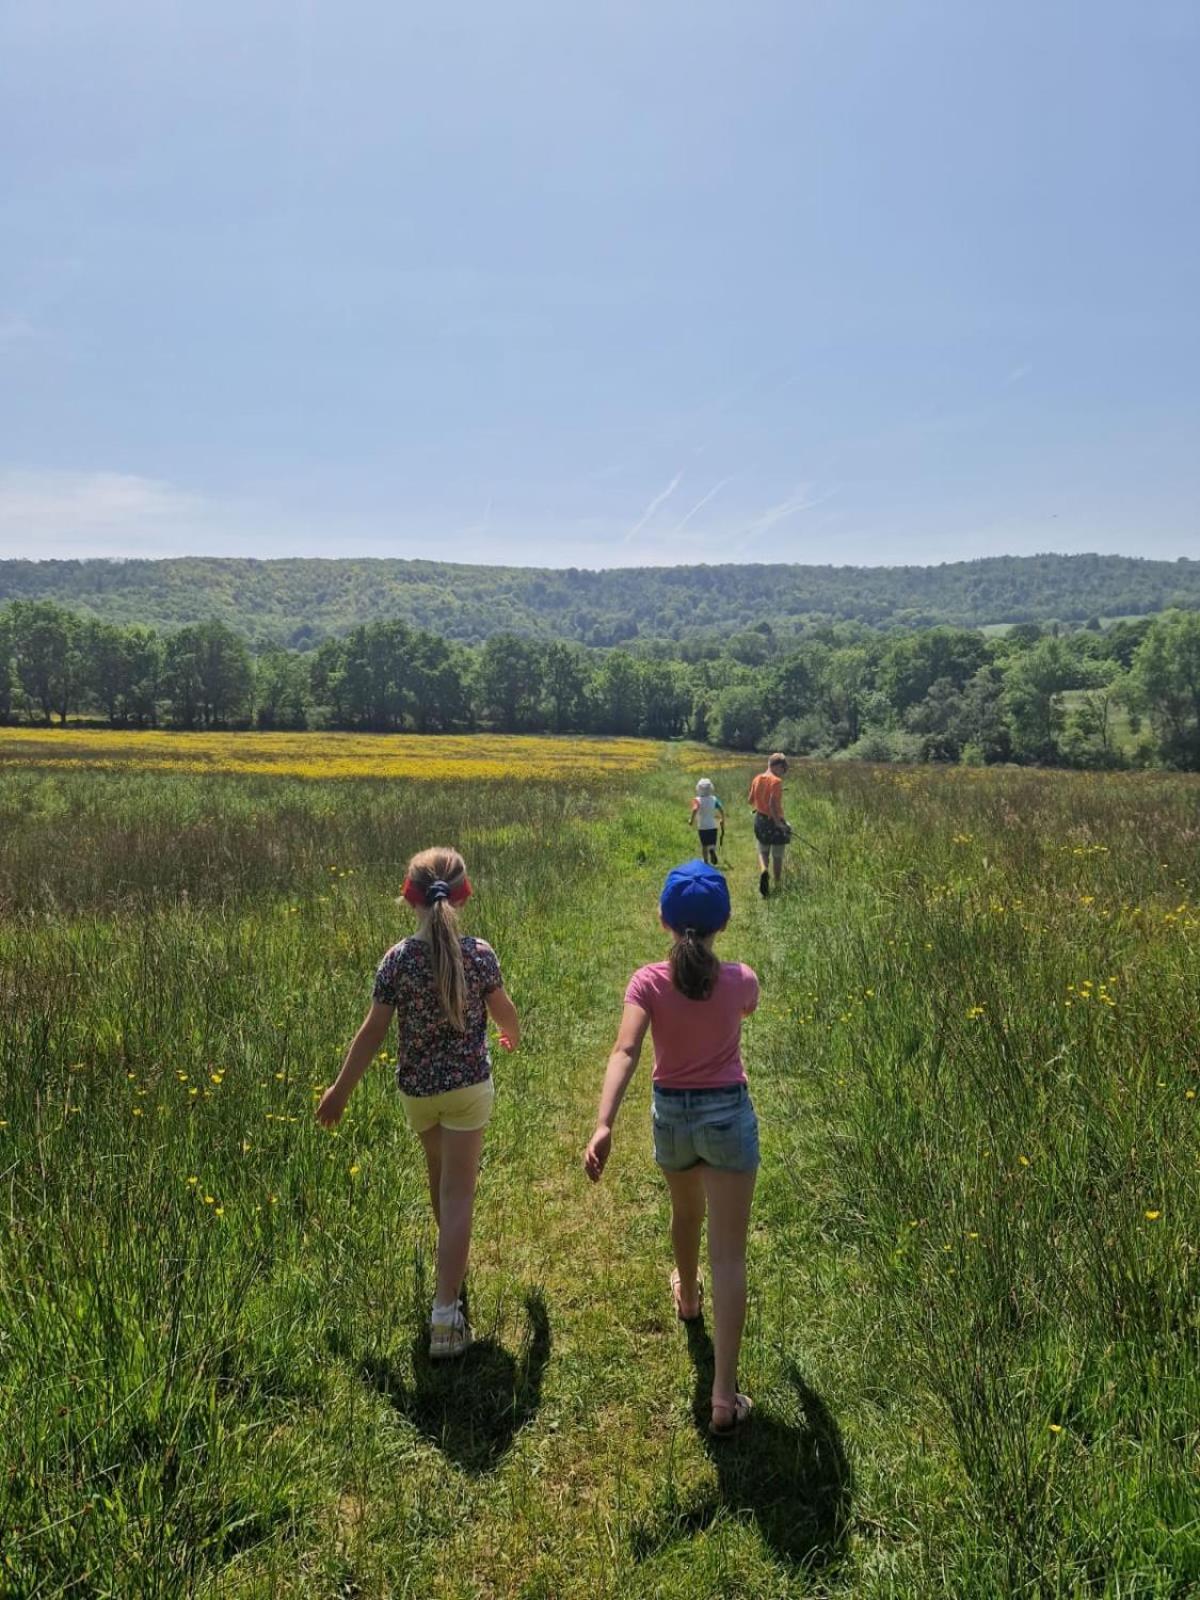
(611, 1487)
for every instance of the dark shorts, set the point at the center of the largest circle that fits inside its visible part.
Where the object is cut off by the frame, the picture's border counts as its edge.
(716, 1126)
(769, 832)
(708, 837)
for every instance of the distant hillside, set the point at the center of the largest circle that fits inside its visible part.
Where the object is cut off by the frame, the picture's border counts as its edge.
(298, 602)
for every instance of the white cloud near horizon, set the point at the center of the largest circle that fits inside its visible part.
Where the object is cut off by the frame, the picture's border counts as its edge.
(48, 513)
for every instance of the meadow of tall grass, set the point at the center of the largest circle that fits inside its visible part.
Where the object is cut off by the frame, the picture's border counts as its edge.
(1002, 1044)
(975, 1330)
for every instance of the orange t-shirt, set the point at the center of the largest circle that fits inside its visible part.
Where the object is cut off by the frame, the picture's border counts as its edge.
(766, 795)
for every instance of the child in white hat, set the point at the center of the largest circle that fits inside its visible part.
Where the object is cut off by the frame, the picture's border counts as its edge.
(708, 815)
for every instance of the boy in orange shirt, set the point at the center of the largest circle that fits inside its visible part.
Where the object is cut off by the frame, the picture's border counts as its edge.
(770, 825)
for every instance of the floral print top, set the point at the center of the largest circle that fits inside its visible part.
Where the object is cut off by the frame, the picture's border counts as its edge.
(432, 1056)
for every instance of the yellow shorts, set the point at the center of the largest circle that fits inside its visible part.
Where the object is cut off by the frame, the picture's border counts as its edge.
(461, 1110)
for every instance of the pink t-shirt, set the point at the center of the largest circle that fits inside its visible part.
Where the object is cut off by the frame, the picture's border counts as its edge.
(697, 1043)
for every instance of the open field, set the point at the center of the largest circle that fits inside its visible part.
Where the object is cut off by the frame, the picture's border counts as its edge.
(974, 1335)
(433, 759)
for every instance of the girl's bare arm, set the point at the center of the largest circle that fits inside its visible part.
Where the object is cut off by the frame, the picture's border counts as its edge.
(504, 1014)
(622, 1064)
(361, 1053)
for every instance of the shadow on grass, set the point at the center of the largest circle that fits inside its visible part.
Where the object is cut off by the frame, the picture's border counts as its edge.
(473, 1407)
(792, 1476)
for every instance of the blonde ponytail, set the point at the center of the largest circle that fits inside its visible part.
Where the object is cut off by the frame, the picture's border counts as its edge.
(437, 879)
(448, 973)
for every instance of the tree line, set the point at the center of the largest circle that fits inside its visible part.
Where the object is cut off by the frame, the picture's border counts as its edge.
(296, 602)
(1086, 696)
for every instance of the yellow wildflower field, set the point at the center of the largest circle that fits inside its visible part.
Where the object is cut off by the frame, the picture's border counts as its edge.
(427, 757)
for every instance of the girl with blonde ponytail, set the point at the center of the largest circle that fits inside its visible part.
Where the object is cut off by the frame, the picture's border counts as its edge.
(441, 986)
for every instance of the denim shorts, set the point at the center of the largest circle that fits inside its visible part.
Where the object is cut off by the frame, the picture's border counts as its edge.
(716, 1126)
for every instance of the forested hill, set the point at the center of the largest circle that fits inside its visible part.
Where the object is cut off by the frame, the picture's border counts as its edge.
(298, 602)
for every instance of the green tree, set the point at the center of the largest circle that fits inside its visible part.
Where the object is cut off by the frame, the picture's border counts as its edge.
(373, 676)
(912, 663)
(1089, 737)
(509, 682)
(738, 720)
(938, 718)
(1120, 642)
(700, 721)
(383, 663)
(793, 688)
(121, 667)
(281, 690)
(327, 683)
(846, 682)
(438, 674)
(45, 643)
(617, 691)
(143, 673)
(1166, 686)
(982, 725)
(7, 676)
(181, 683)
(207, 675)
(1034, 683)
(666, 699)
(565, 680)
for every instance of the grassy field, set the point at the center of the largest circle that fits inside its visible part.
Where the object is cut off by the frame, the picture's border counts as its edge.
(974, 1335)
(439, 758)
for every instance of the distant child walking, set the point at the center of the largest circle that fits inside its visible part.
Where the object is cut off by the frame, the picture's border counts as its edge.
(771, 830)
(705, 1129)
(708, 816)
(442, 987)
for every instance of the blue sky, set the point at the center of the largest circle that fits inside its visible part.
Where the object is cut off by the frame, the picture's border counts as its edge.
(645, 281)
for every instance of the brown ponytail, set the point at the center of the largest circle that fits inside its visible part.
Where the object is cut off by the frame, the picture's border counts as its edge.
(446, 868)
(694, 967)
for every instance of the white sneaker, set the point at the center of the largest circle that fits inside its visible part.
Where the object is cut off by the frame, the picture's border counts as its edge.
(449, 1339)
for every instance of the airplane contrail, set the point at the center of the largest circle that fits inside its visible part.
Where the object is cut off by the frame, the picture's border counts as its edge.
(801, 499)
(658, 500)
(702, 502)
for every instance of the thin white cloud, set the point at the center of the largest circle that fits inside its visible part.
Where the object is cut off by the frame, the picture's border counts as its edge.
(659, 499)
(1017, 373)
(46, 513)
(701, 503)
(482, 527)
(801, 499)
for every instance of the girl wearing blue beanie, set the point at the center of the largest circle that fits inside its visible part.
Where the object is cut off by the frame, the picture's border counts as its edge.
(705, 1129)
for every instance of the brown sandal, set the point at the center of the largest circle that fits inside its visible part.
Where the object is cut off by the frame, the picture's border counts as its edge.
(699, 1311)
(739, 1409)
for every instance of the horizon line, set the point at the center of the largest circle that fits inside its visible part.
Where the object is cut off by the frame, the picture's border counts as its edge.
(680, 566)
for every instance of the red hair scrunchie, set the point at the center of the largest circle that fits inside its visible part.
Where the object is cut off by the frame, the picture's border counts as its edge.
(415, 895)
